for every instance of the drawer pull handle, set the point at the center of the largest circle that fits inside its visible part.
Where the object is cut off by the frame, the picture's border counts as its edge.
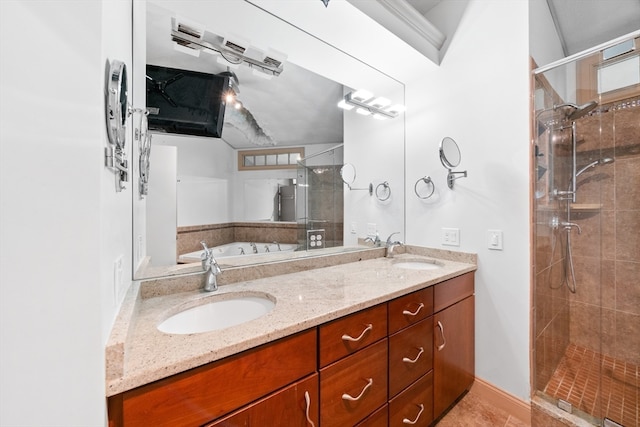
(444, 341)
(307, 399)
(350, 338)
(408, 421)
(407, 360)
(413, 313)
(353, 399)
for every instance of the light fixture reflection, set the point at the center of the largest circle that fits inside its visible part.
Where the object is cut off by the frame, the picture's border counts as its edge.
(369, 105)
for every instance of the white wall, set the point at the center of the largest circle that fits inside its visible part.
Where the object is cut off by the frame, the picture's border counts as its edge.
(480, 97)
(62, 223)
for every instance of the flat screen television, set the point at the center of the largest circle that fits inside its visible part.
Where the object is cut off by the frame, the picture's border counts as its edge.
(185, 102)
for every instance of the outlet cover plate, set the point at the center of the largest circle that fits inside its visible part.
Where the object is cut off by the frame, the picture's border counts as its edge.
(451, 236)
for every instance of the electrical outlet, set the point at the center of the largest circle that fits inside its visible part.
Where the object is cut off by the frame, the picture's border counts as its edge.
(118, 279)
(139, 253)
(451, 236)
(371, 229)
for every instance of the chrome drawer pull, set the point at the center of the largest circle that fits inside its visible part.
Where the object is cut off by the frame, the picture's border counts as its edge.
(353, 399)
(415, 313)
(350, 338)
(407, 360)
(408, 421)
(444, 341)
(307, 399)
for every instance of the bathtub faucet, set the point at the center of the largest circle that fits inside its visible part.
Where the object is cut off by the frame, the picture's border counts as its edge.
(211, 268)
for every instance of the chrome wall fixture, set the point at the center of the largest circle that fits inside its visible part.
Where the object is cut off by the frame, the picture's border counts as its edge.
(369, 105)
(348, 174)
(143, 137)
(117, 111)
(450, 158)
(426, 190)
(232, 51)
(383, 191)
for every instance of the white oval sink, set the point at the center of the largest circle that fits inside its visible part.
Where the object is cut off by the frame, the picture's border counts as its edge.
(217, 314)
(417, 264)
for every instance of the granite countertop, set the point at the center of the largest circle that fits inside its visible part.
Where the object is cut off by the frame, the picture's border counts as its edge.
(138, 353)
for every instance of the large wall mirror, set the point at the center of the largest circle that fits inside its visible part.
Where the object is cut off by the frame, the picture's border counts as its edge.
(268, 187)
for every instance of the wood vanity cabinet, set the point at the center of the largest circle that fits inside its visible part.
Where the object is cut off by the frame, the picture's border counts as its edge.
(403, 362)
(411, 359)
(354, 387)
(200, 395)
(294, 406)
(454, 340)
(353, 366)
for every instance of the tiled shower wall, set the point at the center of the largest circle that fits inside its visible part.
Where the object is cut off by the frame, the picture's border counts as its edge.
(607, 253)
(604, 313)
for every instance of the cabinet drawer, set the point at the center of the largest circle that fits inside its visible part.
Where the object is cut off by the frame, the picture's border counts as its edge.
(451, 291)
(208, 392)
(380, 418)
(354, 387)
(409, 309)
(410, 355)
(286, 408)
(349, 334)
(414, 406)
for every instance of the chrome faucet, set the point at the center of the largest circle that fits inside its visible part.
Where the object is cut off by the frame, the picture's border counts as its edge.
(211, 267)
(254, 247)
(277, 244)
(376, 242)
(266, 248)
(390, 245)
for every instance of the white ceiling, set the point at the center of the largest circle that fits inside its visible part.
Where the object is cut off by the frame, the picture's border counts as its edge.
(580, 24)
(583, 24)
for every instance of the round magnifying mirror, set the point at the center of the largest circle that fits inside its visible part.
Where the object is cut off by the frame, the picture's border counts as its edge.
(449, 153)
(117, 103)
(348, 173)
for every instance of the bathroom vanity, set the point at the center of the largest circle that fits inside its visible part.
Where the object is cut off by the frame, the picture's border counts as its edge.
(371, 343)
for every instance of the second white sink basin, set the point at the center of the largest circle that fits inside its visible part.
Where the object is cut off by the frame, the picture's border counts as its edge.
(415, 264)
(219, 313)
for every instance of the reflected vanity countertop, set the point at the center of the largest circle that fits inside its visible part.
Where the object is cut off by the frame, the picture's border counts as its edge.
(138, 353)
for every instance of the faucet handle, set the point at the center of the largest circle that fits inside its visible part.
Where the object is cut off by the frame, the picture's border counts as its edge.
(390, 236)
(205, 256)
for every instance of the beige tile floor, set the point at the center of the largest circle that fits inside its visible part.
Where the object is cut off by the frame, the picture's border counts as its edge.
(473, 410)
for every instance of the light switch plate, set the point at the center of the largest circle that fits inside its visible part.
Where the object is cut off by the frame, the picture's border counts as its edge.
(371, 229)
(494, 240)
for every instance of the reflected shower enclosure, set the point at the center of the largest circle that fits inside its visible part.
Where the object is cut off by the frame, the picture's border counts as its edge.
(320, 200)
(586, 217)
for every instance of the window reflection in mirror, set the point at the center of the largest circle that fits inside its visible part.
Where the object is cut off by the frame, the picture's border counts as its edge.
(216, 202)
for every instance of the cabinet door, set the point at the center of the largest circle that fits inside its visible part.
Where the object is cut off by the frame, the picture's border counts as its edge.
(294, 406)
(414, 405)
(354, 387)
(211, 391)
(410, 309)
(349, 334)
(380, 418)
(453, 353)
(410, 355)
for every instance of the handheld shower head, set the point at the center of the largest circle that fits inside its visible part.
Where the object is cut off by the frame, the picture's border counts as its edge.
(598, 162)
